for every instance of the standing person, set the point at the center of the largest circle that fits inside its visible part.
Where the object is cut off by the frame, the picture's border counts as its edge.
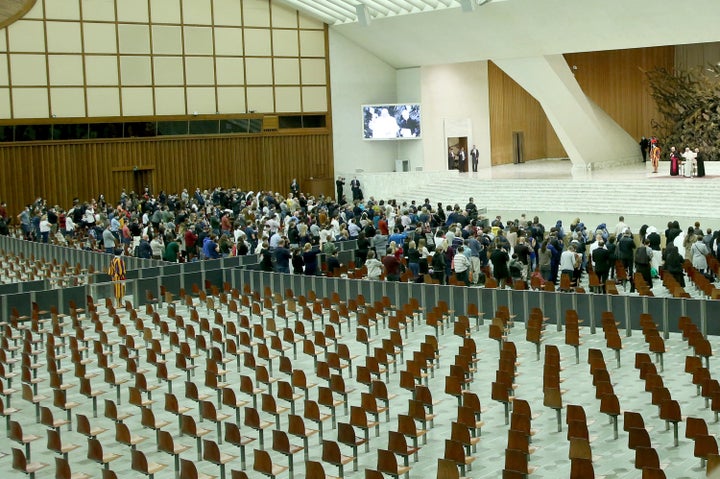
(568, 262)
(474, 155)
(363, 247)
(461, 159)
(698, 254)
(451, 159)
(45, 229)
(117, 272)
(626, 251)
(643, 258)
(282, 258)
(544, 258)
(654, 157)
(438, 264)
(24, 218)
(392, 266)
(673, 264)
(310, 258)
(355, 188)
(644, 147)
(297, 261)
(339, 186)
(374, 266)
(461, 265)
(294, 187)
(108, 239)
(674, 162)
(500, 259)
(689, 163)
(413, 259)
(700, 162)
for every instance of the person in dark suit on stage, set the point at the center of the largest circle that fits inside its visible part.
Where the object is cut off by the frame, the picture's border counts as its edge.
(699, 163)
(644, 148)
(339, 186)
(451, 159)
(474, 155)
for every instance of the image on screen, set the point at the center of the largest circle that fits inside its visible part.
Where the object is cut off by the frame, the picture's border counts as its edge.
(391, 122)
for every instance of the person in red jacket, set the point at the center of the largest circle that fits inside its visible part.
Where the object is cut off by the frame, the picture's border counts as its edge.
(190, 242)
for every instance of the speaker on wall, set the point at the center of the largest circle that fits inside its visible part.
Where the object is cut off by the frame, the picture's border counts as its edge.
(363, 14)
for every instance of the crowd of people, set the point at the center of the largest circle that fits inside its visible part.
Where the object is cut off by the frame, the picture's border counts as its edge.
(417, 240)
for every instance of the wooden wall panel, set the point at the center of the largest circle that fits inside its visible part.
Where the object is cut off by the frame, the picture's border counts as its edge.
(61, 171)
(513, 109)
(614, 80)
(696, 55)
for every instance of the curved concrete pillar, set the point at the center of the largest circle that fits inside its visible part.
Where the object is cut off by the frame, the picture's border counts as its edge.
(591, 138)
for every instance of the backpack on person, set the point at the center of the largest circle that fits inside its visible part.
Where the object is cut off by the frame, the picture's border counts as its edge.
(641, 256)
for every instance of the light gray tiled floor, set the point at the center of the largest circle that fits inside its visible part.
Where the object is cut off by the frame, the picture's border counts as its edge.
(612, 458)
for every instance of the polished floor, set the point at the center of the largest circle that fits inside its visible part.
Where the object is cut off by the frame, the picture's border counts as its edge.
(611, 456)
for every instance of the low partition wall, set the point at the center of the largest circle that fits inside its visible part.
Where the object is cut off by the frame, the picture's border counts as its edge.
(627, 309)
(19, 297)
(149, 276)
(73, 256)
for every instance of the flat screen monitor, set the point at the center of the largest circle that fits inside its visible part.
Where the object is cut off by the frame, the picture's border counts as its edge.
(400, 121)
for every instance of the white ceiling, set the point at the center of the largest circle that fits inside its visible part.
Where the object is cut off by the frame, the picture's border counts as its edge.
(337, 12)
(410, 33)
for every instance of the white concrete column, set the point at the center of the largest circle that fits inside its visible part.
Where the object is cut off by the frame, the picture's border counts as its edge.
(591, 138)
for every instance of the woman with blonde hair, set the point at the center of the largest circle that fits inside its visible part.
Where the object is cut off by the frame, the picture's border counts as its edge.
(413, 259)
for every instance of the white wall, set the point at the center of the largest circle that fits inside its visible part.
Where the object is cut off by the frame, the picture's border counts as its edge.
(455, 98)
(408, 81)
(358, 77)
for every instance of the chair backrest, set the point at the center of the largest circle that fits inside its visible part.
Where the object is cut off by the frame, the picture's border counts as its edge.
(188, 425)
(122, 433)
(331, 452)
(397, 443)
(296, 425)
(387, 462)
(516, 461)
(165, 442)
(447, 469)
(19, 460)
(16, 433)
(579, 448)
(373, 474)
(454, 451)
(346, 434)
(232, 433)
(188, 469)
(252, 418)
(459, 432)
(139, 461)
(281, 443)
(581, 469)
(95, 451)
(211, 451)
(262, 462)
(54, 443)
(406, 425)
(62, 468)
(314, 469)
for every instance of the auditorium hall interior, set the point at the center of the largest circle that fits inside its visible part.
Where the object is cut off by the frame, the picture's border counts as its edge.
(221, 369)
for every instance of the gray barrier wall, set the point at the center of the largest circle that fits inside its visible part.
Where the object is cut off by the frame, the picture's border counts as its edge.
(627, 309)
(150, 275)
(72, 255)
